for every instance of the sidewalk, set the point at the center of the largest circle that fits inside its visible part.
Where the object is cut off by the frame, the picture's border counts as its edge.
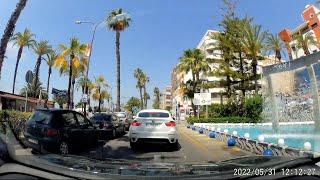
(210, 148)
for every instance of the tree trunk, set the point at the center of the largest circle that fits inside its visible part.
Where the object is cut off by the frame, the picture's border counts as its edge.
(141, 98)
(69, 82)
(8, 32)
(255, 77)
(72, 92)
(16, 68)
(37, 69)
(306, 51)
(243, 90)
(99, 106)
(48, 81)
(289, 50)
(194, 87)
(278, 55)
(145, 97)
(118, 69)
(228, 80)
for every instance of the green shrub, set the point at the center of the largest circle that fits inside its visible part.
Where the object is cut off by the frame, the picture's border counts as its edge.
(16, 119)
(231, 119)
(253, 108)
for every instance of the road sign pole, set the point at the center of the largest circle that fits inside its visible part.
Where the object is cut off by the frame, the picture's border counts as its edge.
(198, 112)
(207, 111)
(26, 102)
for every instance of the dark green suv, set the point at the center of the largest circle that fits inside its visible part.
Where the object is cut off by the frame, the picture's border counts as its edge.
(59, 130)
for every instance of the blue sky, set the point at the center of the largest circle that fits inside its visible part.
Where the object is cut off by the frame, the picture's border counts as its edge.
(160, 31)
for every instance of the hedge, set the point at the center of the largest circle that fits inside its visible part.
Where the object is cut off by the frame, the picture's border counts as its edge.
(232, 119)
(16, 119)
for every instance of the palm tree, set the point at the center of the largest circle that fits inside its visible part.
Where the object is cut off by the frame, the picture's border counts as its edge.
(52, 56)
(138, 73)
(304, 41)
(100, 93)
(8, 32)
(82, 84)
(144, 81)
(24, 39)
(193, 61)
(146, 98)
(156, 95)
(74, 53)
(275, 45)
(253, 44)
(34, 90)
(40, 48)
(118, 21)
(86, 86)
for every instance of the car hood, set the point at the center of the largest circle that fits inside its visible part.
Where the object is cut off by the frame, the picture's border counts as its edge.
(134, 168)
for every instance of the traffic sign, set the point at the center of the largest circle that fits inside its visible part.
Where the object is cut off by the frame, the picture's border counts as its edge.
(202, 99)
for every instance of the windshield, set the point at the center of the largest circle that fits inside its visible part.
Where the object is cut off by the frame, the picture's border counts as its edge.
(210, 88)
(101, 117)
(41, 117)
(154, 114)
(121, 115)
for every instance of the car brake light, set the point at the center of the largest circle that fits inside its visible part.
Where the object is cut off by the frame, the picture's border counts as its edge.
(136, 123)
(51, 132)
(170, 124)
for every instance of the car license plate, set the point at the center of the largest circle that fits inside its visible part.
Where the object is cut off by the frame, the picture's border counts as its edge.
(33, 141)
(151, 125)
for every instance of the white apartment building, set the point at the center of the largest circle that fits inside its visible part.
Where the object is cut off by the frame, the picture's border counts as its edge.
(311, 21)
(206, 45)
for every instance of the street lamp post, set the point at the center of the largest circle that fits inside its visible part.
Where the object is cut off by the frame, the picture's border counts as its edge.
(91, 47)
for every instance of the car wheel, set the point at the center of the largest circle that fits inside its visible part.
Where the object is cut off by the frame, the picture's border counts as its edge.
(64, 148)
(114, 133)
(133, 145)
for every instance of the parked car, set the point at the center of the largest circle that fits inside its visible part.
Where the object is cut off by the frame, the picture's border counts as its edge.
(153, 125)
(124, 118)
(109, 125)
(59, 130)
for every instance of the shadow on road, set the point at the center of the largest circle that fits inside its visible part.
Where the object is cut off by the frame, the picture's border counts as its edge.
(150, 147)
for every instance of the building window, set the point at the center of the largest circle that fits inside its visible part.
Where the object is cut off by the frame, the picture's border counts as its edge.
(314, 25)
(214, 95)
(311, 15)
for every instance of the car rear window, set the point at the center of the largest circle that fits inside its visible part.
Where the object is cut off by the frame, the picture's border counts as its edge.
(154, 114)
(42, 117)
(101, 117)
(121, 115)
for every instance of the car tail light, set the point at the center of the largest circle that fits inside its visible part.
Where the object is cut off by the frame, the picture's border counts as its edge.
(170, 124)
(136, 123)
(51, 132)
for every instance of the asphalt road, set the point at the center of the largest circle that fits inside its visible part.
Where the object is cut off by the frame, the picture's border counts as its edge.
(193, 147)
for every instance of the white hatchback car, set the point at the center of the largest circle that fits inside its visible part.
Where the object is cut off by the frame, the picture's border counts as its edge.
(153, 125)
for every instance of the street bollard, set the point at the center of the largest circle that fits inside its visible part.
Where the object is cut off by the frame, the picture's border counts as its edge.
(212, 135)
(231, 142)
(201, 131)
(268, 152)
